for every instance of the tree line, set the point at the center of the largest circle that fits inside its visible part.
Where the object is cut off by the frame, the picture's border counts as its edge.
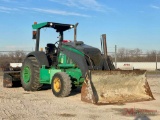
(123, 55)
(137, 55)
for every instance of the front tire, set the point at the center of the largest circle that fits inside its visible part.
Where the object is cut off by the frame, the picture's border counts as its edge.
(61, 84)
(30, 74)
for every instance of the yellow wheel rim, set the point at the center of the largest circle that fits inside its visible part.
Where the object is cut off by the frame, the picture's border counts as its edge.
(57, 84)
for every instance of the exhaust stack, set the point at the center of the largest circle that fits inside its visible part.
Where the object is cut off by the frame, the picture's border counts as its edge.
(75, 32)
(104, 43)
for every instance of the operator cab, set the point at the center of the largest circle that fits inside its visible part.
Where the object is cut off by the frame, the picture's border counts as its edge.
(52, 50)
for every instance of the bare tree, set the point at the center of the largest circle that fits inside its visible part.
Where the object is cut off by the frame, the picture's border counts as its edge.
(138, 52)
(17, 56)
(151, 55)
(136, 55)
(121, 54)
(12, 57)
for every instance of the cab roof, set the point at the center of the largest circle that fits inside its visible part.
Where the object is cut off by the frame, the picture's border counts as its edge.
(59, 27)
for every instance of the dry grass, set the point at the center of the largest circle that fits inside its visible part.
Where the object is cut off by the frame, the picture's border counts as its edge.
(1, 72)
(153, 72)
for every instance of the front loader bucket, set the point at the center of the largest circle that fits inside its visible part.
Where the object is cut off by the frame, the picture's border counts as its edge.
(106, 87)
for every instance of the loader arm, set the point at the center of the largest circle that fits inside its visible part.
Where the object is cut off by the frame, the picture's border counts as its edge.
(78, 58)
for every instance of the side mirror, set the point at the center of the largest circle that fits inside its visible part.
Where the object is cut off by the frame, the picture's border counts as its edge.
(34, 34)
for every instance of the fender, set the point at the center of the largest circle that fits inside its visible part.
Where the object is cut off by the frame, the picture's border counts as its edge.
(40, 56)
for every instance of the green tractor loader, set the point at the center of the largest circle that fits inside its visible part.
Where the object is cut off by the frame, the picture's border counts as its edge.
(66, 64)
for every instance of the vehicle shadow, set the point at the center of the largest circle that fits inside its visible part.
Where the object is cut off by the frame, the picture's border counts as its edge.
(45, 87)
(16, 84)
(75, 91)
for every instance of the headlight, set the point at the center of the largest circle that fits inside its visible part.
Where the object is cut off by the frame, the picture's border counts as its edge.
(51, 24)
(71, 26)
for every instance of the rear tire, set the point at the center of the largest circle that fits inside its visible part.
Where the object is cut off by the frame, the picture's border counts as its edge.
(30, 74)
(61, 84)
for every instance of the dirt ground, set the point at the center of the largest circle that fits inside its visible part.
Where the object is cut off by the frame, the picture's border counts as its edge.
(17, 104)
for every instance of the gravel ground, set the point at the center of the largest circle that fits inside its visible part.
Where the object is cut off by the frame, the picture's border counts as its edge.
(17, 104)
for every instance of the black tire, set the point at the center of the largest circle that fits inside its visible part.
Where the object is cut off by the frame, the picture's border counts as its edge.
(33, 84)
(65, 84)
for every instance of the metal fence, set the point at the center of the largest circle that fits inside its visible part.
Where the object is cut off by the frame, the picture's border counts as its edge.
(142, 60)
(139, 61)
(8, 52)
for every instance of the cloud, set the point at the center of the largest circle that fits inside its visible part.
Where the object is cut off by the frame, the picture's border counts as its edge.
(83, 4)
(4, 11)
(58, 12)
(7, 9)
(155, 7)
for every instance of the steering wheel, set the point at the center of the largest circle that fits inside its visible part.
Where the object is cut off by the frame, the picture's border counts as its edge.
(56, 42)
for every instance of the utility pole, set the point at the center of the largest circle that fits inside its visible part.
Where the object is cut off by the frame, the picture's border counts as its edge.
(116, 56)
(156, 61)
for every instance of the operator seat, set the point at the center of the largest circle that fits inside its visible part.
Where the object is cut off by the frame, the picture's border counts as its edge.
(51, 48)
(51, 52)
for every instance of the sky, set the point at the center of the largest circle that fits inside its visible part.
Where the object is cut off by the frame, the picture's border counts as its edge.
(127, 23)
